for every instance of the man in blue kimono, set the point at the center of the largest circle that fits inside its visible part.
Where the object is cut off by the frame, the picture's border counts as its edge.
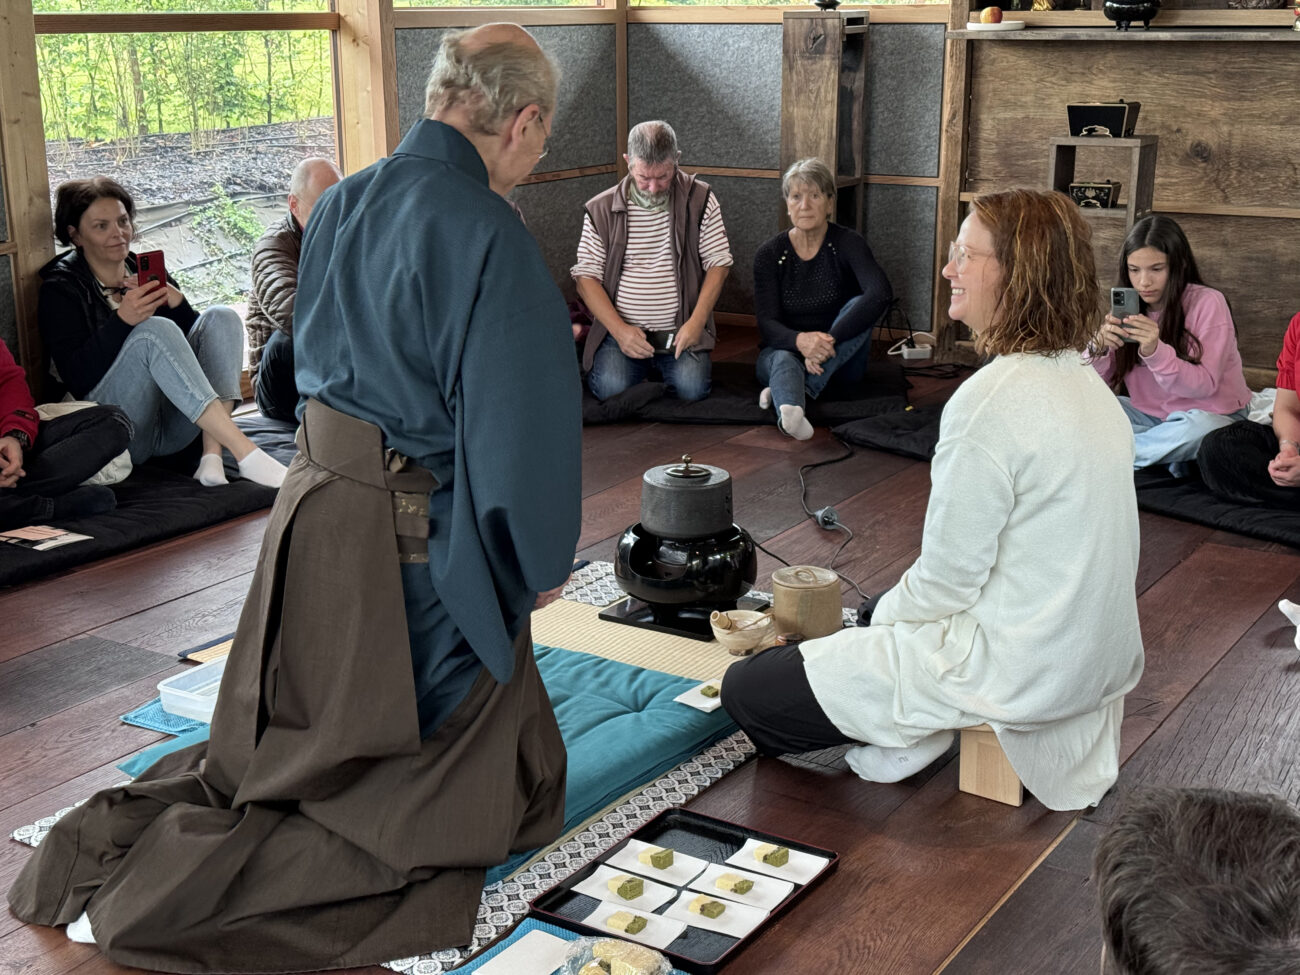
(382, 734)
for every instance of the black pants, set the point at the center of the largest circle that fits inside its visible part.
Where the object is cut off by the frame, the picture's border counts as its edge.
(68, 449)
(275, 388)
(768, 695)
(1234, 465)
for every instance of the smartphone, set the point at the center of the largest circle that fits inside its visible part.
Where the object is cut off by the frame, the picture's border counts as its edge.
(1125, 302)
(661, 339)
(150, 267)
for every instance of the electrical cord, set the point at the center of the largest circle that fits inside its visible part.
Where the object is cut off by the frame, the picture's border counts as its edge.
(826, 517)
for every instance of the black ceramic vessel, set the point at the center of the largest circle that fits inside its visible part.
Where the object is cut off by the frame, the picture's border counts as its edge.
(1126, 13)
(717, 570)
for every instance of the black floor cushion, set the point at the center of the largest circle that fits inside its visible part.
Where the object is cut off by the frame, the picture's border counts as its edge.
(152, 504)
(912, 433)
(734, 399)
(1189, 499)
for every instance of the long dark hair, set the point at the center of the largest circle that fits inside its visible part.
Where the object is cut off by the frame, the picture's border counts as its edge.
(1164, 234)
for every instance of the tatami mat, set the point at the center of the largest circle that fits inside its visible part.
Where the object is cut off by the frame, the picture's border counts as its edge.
(577, 626)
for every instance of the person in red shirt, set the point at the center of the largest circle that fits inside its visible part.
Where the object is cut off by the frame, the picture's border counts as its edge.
(1258, 463)
(42, 464)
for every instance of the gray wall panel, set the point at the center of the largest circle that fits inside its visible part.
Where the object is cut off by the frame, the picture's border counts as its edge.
(584, 132)
(751, 210)
(554, 214)
(900, 230)
(904, 98)
(8, 311)
(718, 85)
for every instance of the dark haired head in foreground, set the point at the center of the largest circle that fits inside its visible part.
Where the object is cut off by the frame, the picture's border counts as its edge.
(1201, 881)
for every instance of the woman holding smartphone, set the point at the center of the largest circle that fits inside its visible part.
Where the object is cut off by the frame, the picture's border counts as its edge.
(1018, 612)
(174, 372)
(1175, 364)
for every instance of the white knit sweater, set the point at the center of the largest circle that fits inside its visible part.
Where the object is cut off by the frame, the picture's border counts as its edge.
(1021, 609)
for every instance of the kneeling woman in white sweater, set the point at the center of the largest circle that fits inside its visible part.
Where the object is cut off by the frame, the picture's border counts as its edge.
(1021, 609)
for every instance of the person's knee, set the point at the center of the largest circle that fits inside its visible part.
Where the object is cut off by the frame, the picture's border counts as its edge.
(606, 383)
(692, 380)
(158, 332)
(115, 428)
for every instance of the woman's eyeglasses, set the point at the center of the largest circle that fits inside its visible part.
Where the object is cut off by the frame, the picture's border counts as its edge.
(959, 254)
(546, 141)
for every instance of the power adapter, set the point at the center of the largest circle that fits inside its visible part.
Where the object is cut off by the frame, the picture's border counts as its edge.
(827, 517)
(918, 352)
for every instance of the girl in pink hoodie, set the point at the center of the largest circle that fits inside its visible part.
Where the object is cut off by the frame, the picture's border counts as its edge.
(1175, 364)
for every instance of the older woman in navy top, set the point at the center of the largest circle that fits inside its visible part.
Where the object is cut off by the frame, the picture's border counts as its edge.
(818, 294)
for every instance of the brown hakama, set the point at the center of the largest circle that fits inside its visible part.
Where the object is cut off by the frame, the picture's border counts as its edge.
(315, 829)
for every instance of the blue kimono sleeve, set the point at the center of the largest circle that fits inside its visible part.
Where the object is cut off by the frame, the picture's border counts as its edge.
(519, 449)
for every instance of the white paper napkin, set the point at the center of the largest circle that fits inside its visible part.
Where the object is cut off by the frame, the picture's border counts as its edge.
(684, 869)
(659, 931)
(695, 699)
(737, 920)
(536, 953)
(766, 893)
(802, 867)
(653, 896)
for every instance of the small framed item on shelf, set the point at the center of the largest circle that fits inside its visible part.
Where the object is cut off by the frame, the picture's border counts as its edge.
(1115, 119)
(1096, 195)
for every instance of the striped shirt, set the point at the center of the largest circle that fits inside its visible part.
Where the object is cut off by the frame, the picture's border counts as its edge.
(648, 289)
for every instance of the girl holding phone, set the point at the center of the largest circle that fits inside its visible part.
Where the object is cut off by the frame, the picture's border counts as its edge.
(1179, 374)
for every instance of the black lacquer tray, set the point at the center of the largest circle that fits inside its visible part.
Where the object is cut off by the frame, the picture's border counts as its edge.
(695, 950)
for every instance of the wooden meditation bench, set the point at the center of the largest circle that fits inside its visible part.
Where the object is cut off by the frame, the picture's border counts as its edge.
(983, 769)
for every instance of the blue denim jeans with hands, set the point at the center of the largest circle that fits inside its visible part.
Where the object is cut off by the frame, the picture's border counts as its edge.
(784, 372)
(163, 378)
(688, 378)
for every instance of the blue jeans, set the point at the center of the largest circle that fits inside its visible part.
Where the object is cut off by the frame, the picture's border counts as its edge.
(612, 372)
(1175, 439)
(790, 382)
(163, 379)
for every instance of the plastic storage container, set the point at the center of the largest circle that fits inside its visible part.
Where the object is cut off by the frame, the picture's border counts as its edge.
(193, 693)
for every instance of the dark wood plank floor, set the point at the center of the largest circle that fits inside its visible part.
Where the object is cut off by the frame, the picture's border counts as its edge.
(930, 880)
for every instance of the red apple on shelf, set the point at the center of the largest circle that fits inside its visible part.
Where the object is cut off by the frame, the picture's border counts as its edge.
(991, 15)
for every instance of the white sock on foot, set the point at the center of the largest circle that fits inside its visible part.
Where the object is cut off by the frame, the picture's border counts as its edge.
(765, 398)
(79, 930)
(793, 423)
(261, 467)
(877, 764)
(211, 472)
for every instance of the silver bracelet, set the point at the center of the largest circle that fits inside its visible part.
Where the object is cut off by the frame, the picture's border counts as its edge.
(1291, 442)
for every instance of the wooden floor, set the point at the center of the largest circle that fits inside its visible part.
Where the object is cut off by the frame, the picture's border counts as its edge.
(930, 879)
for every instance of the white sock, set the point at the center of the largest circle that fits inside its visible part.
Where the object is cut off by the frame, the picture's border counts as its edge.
(79, 930)
(261, 467)
(211, 472)
(793, 423)
(877, 764)
(765, 398)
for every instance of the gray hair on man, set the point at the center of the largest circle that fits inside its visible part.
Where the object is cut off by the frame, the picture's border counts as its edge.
(652, 143)
(304, 173)
(492, 81)
(812, 172)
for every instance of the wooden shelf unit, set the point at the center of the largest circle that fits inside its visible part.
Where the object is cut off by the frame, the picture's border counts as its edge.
(1141, 180)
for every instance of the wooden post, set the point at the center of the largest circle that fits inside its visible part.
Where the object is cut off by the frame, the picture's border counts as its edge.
(26, 180)
(366, 79)
(952, 175)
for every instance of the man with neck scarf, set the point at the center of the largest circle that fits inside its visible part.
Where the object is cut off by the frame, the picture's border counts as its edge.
(651, 262)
